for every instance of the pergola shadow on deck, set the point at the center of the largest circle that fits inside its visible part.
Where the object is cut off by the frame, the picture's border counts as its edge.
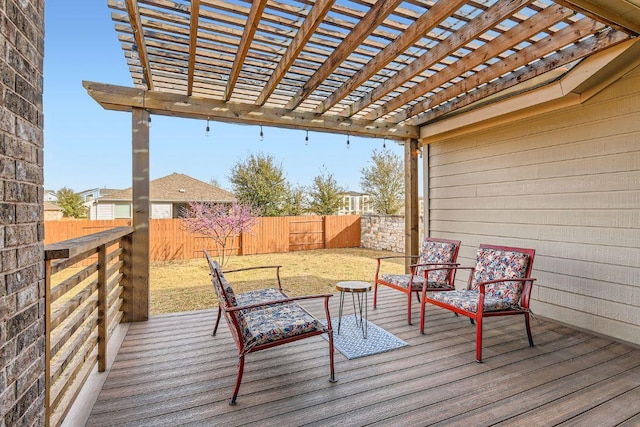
(170, 371)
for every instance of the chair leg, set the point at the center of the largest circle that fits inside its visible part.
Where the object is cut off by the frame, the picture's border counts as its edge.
(332, 378)
(238, 380)
(422, 315)
(528, 324)
(215, 329)
(375, 294)
(418, 296)
(409, 307)
(478, 339)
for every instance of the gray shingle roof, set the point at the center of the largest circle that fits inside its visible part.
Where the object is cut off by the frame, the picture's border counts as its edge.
(176, 187)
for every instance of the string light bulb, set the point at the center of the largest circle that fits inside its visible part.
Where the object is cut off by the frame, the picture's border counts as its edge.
(384, 143)
(306, 138)
(207, 129)
(348, 143)
(261, 134)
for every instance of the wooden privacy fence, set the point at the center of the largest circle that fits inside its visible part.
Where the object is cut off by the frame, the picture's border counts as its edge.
(169, 241)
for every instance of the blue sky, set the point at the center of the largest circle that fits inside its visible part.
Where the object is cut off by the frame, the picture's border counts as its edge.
(89, 147)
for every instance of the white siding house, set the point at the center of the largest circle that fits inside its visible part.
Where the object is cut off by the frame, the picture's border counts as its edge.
(168, 197)
(354, 203)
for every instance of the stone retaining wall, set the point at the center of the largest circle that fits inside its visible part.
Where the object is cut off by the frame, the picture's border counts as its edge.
(385, 233)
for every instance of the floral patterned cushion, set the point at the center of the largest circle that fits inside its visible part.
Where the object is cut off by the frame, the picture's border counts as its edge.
(221, 286)
(468, 300)
(402, 280)
(436, 253)
(259, 296)
(495, 264)
(274, 323)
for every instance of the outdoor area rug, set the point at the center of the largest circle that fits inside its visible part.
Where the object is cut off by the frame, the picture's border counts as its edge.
(351, 344)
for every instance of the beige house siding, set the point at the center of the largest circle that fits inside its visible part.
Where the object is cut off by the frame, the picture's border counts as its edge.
(566, 183)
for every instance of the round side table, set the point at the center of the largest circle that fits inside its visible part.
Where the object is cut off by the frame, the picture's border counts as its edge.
(355, 288)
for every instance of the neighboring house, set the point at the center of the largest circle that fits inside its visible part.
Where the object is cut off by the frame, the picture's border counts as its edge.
(50, 196)
(52, 212)
(95, 193)
(167, 195)
(354, 203)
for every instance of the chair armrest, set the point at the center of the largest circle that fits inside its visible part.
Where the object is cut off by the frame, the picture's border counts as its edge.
(481, 285)
(397, 256)
(455, 267)
(276, 301)
(252, 268)
(277, 268)
(380, 259)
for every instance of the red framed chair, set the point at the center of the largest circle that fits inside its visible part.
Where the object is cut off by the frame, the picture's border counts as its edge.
(434, 252)
(266, 318)
(499, 285)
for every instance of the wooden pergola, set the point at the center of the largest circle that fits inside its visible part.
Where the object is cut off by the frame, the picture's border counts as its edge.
(403, 70)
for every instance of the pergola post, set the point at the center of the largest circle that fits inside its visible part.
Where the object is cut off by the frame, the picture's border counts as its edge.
(411, 205)
(139, 293)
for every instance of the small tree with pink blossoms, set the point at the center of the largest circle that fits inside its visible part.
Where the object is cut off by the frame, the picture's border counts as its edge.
(222, 223)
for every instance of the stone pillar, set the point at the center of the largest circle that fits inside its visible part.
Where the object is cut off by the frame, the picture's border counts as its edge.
(22, 309)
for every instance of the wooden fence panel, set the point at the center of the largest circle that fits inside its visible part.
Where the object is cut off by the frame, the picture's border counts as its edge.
(342, 231)
(169, 241)
(269, 235)
(306, 233)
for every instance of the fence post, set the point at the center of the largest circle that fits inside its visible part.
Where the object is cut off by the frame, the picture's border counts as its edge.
(324, 232)
(103, 309)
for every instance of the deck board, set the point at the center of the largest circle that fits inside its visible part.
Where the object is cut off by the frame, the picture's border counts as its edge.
(170, 371)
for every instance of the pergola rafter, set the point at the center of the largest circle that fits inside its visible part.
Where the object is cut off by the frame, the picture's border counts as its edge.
(247, 37)
(493, 49)
(193, 43)
(317, 13)
(455, 41)
(380, 64)
(360, 31)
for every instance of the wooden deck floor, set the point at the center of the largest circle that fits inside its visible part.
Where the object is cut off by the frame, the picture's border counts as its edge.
(170, 371)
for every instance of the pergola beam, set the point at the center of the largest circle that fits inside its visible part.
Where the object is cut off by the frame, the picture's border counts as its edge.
(602, 14)
(120, 98)
(507, 40)
(430, 19)
(374, 17)
(464, 35)
(546, 46)
(308, 27)
(247, 37)
(588, 78)
(193, 43)
(586, 47)
(136, 26)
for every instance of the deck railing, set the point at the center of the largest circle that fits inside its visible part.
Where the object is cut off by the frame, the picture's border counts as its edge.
(84, 305)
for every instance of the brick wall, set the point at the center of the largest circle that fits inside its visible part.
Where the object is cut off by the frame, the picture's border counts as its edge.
(385, 233)
(22, 342)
